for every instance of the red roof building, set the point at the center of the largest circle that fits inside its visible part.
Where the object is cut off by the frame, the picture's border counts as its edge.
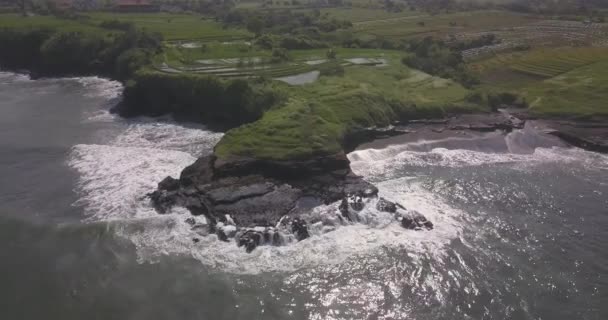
(135, 6)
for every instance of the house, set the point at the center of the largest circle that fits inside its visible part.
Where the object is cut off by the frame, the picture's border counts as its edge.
(135, 6)
(63, 5)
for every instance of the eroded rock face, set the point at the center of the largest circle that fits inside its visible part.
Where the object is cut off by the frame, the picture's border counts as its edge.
(266, 208)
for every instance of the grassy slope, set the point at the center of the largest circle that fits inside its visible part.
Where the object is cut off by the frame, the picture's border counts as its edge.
(17, 21)
(171, 26)
(443, 24)
(316, 118)
(356, 15)
(580, 92)
(176, 26)
(555, 82)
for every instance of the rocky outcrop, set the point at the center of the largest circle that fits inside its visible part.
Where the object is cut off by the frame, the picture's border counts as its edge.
(259, 202)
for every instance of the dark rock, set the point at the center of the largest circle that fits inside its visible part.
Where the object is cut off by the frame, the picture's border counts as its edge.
(416, 221)
(300, 229)
(343, 207)
(386, 206)
(191, 221)
(196, 240)
(221, 235)
(250, 240)
(169, 184)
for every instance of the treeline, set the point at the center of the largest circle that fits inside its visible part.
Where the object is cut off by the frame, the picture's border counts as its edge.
(437, 58)
(283, 21)
(49, 52)
(198, 98)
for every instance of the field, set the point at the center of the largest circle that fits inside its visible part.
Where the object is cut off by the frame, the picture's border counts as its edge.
(171, 26)
(177, 26)
(17, 21)
(546, 62)
(551, 75)
(581, 92)
(359, 15)
(240, 59)
(442, 25)
(555, 82)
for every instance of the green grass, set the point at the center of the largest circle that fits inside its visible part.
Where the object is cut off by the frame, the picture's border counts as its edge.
(176, 26)
(68, 25)
(356, 15)
(580, 92)
(317, 116)
(171, 26)
(544, 62)
(571, 82)
(442, 24)
(184, 58)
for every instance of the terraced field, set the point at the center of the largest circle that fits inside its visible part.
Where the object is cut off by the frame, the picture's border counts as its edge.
(443, 25)
(358, 15)
(582, 92)
(571, 82)
(545, 63)
(221, 61)
(176, 26)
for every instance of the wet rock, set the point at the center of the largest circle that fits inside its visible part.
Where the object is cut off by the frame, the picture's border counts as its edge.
(416, 221)
(250, 239)
(386, 206)
(169, 184)
(300, 229)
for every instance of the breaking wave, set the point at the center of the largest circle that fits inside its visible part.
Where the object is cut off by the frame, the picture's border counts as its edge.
(115, 176)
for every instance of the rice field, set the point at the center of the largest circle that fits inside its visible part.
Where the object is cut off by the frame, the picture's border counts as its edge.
(240, 59)
(176, 26)
(545, 63)
(171, 26)
(443, 24)
(359, 15)
(582, 92)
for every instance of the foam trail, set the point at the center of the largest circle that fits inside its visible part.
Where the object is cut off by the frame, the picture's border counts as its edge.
(113, 179)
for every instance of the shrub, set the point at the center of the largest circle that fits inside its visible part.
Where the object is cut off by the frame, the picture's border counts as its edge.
(279, 55)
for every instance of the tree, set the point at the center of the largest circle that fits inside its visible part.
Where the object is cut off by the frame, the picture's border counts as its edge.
(255, 25)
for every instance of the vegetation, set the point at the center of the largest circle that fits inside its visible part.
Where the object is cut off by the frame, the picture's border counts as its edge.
(436, 58)
(205, 99)
(317, 117)
(379, 61)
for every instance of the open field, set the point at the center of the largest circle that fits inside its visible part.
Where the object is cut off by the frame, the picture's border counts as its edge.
(555, 81)
(240, 59)
(581, 92)
(444, 24)
(358, 15)
(17, 21)
(176, 26)
(547, 62)
(171, 26)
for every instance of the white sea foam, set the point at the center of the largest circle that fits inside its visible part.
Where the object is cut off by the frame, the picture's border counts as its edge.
(168, 136)
(100, 87)
(114, 177)
(174, 236)
(373, 162)
(10, 77)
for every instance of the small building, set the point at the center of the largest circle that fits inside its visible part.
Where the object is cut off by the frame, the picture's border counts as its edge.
(135, 6)
(63, 5)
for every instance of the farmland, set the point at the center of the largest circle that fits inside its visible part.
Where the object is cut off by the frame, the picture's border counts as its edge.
(555, 82)
(532, 55)
(171, 26)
